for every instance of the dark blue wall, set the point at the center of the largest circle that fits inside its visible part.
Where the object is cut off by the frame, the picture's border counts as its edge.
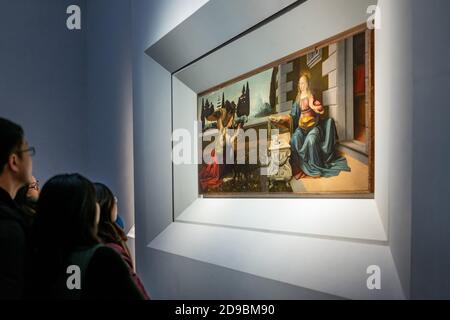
(43, 82)
(430, 254)
(71, 90)
(110, 100)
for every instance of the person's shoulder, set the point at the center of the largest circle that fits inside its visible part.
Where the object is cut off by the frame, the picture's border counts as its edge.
(115, 246)
(106, 262)
(105, 252)
(5, 211)
(8, 212)
(12, 233)
(10, 225)
(122, 252)
(12, 217)
(108, 257)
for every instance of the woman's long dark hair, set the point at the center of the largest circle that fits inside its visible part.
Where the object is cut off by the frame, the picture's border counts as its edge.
(65, 221)
(27, 205)
(108, 230)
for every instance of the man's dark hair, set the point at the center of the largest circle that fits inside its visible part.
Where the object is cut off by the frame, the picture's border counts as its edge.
(11, 138)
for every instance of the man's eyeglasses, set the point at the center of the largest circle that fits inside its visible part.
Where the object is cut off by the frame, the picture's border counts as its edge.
(30, 150)
(34, 185)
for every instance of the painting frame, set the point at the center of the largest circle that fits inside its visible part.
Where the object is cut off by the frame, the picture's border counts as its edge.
(370, 85)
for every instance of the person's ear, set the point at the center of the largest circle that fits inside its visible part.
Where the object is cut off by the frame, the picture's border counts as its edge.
(97, 213)
(13, 163)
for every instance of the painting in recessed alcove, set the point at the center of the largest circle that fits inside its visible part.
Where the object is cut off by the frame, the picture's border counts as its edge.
(301, 126)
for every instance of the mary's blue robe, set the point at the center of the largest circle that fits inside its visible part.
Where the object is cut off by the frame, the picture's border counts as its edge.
(314, 150)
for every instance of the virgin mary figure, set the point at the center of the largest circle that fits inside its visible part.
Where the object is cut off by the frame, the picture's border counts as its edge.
(314, 140)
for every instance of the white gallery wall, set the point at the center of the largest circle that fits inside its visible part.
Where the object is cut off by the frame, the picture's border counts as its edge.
(403, 141)
(345, 218)
(393, 123)
(185, 142)
(167, 275)
(335, 220)
(111, 120)
(412, 70)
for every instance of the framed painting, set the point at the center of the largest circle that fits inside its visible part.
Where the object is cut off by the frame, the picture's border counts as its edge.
(302, 126)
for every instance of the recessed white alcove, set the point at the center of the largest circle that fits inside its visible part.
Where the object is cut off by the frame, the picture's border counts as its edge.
(320, 244)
